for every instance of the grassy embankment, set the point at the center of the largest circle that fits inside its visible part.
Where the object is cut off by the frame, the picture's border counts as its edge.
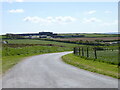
(17, 50)
(93, 66)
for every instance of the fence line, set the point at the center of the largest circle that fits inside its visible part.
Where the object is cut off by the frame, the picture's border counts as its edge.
(98, 53)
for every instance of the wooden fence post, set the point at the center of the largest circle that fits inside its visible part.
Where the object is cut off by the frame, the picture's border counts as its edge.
(118, 57)
(79, 52)
(82, 51)
(95, 53)
(87, 53)
(74, 50)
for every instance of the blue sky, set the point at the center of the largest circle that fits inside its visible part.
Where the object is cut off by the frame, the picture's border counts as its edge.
(59, 17)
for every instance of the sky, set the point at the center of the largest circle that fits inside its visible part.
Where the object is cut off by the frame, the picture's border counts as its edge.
(59, 17)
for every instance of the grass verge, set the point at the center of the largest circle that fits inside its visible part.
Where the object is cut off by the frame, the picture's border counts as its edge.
(9, 61)
(93, 66)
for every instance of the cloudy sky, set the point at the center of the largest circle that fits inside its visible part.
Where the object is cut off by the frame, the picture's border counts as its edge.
(59, 17)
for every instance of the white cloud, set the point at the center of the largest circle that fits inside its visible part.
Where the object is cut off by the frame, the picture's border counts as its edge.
(91, 20)
(91, 12)
(16, 11)
(34, 19)
(108, 12)
(65, 19)
(59, 19)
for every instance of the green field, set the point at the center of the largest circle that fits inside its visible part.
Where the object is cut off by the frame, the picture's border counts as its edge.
(93, 34)
(100, 35)
(107, 56)
(8, 51)
(93, 66)
(30, 41)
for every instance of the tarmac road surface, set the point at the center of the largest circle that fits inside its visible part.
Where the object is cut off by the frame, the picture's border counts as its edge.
(49, 71)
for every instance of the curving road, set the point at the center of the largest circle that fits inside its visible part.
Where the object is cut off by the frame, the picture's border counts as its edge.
(48, 71)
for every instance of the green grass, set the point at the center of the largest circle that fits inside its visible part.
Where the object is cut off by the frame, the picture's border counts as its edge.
(93, 66)
(0, 65)
(8, 51)
(100, 35)
(11, 56)
(94, 35)
(10, 61)
(107, 56)
(31, 41)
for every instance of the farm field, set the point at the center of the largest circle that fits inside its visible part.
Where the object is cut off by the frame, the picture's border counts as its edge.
(95, 35)
(108, 55)
(89, 38)
(9, 51)
(42, 42)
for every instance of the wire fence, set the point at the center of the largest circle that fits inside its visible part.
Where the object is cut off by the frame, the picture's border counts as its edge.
(107, 55)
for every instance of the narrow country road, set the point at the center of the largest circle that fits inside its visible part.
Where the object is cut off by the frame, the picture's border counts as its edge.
(49, 71)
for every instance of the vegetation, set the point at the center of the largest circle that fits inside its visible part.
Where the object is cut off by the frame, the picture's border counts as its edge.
(11, 55)
(88, 41)
(93, 34)
(10, 61)
(107, 55)
(8, 51)
(0, 59)
(40, 41)
(93, 66)
(17, 49)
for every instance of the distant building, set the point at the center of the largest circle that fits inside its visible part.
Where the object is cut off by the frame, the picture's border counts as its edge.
(40, 34)
(46, 35)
